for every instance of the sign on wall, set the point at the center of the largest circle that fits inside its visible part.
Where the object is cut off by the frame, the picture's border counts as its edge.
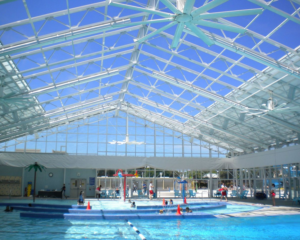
(92, 181)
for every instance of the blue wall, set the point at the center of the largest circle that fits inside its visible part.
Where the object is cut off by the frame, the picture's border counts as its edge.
(43, 181)
(10, 171)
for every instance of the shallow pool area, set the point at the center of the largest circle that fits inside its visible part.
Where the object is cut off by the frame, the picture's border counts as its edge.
(119, 205)
(220, 225)
(283, 227)
(278, 227)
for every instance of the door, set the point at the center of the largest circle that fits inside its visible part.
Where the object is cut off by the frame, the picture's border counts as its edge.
(77, 185)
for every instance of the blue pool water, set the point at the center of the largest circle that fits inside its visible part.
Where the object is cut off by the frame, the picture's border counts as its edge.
(278, 227)
(283, 227)
(114, 204)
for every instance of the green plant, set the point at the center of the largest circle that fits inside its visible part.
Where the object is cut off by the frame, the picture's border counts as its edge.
(36, 167)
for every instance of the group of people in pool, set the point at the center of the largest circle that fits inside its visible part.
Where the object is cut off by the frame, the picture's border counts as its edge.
(187, 210)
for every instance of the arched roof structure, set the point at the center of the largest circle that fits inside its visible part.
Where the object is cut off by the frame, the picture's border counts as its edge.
(223, 71)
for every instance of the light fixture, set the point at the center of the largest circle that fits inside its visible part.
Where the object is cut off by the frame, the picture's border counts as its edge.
(126, 141)
(270, 107)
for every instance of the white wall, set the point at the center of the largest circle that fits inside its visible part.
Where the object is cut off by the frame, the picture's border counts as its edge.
(268, 158)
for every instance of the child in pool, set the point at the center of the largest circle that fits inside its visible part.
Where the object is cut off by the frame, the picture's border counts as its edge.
(80, 200)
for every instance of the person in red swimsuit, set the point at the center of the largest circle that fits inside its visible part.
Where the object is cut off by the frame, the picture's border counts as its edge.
(273, 194)
(224, 193)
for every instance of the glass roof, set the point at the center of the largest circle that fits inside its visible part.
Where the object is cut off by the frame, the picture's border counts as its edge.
(222, 71)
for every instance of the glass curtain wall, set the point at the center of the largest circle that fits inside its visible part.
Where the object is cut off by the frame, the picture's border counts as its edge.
(286, 179)
(94, 136)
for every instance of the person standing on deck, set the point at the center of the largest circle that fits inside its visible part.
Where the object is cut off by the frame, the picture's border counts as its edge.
(63, 191)
(151, 193)
(145, 188)
(273, 194)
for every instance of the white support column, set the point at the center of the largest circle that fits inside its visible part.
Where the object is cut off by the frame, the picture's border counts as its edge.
(182, 145)
(289, 183)
(210, 184)
(64, 176)
(96, 182)
(241, 180)
(155, 140)
(23, 181)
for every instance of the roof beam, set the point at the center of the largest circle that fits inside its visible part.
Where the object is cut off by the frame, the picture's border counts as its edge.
(60, 121)
(194, 62)
(268, 6)
(179, 126)
(218, 98)
(249, 53)
(57, 14)
(194, 119)
(200, 107)
(68, 127)
(139, 9)
(78, 41)
(134, 58)
(76, 64)
(66, 84)
(66, 35)
(58, 111)
(70, 96)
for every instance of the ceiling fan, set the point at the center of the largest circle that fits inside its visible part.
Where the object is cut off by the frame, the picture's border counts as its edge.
(185, 16)
(270, 107)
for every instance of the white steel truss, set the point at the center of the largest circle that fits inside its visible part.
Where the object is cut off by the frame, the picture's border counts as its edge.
(183, 66)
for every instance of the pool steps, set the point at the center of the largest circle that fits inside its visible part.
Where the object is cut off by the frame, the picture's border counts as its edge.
(37, 210)
(43, 205)
(148, 213)
(115, 217)
(83, 211)
(181, 205)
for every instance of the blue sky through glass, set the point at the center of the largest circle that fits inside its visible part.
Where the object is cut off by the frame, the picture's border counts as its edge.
(213, 69)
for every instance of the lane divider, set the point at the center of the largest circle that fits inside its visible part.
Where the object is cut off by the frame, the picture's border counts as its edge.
(136, 230)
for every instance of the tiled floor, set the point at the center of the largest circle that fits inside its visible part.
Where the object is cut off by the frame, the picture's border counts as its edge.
(266, 210)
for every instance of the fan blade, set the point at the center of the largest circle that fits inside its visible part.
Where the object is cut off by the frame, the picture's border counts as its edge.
(281, 105)
(230, 14)
(264, 106)
(220, 26)
(254, 113)
(163, 14)
(177, 35)
(207, 7)
(155, 32)
(288, 109)
(11, 100)
(200, 34)
(188, 6)
(142, 22)
(169, 5)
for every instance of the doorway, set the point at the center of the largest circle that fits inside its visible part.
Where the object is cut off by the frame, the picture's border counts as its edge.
(77, 185)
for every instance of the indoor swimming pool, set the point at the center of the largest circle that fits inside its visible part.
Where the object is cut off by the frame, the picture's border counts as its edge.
(16, 227)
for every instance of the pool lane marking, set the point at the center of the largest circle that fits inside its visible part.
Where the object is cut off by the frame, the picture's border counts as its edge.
(136, 230)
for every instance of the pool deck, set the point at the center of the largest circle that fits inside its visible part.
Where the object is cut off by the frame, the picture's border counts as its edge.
(266, 210)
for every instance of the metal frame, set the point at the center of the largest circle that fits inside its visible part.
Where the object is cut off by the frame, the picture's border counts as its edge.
(153, 87)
